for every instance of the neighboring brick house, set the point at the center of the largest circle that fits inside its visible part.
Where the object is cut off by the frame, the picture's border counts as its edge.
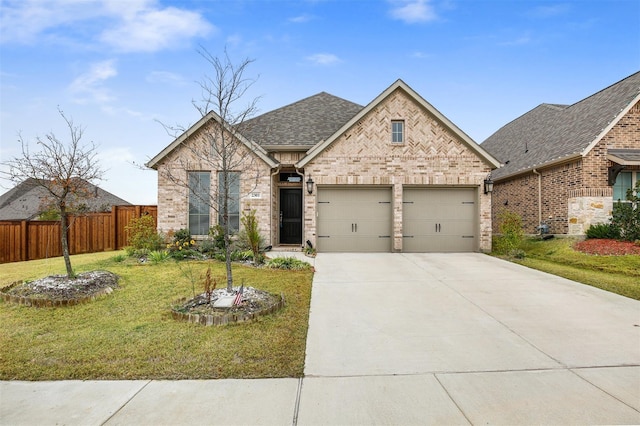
(28, 200)
(565, 165)
(395, 175)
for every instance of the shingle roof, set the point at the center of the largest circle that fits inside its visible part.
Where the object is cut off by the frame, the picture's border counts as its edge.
(303, 123)
(25, 200)
(551, 132)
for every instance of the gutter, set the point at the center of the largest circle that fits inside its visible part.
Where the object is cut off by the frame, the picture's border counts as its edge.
(535, 172)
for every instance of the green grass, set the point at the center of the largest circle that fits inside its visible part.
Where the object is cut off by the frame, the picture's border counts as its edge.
(131, 335)
(617, 274)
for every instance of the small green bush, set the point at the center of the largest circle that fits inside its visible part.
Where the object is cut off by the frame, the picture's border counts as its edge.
(251, 233)
(217, 234)
(119, 258)
(182, 236)
(287, 263)
(143, 236)
(158, 256)
(511, 232)
(603, 231)
(626, 216)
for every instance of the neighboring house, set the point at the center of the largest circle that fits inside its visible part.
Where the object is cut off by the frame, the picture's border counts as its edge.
(395, 175)
(565, 165)
(28, 200)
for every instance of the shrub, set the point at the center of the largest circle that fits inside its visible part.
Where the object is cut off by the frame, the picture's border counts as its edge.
(626, 216)
(158, 256)
(287, 263)
(603, 231)
(251, 234)
(143, 237)
(182, 236)
(217, 234)
(512, 234)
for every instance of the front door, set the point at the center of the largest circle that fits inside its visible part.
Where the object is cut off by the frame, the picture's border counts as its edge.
(291, 216)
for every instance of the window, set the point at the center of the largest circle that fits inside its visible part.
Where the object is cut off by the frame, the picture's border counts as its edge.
(624, 182)
(199, 190)
(234, 200)
(397, 131)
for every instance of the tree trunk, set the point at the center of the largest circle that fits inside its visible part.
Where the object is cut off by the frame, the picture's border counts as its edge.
(65, 241)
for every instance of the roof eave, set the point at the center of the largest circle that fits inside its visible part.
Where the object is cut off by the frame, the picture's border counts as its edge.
(615, 121)
(254, 147)
(536, 167)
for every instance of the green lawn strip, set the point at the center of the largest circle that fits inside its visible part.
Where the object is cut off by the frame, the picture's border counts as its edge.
(617, 274)
(130, 334)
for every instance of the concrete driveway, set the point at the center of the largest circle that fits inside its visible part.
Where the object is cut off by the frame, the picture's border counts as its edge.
(457, 338)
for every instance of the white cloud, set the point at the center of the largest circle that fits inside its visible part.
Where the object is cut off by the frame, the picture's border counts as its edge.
(518, 41)
(413, 11)
(550, 10)
(166, 77)
(146, 29)
(323, 59)
(89, 87)
(300, 19)
(125, 25)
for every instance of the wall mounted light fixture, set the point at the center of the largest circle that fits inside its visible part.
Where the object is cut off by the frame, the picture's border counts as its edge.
(310, 185)
(488, 185)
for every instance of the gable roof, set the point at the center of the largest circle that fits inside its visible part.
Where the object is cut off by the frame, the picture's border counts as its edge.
(24, 201)
(301, 124)
(399, 85)
(552, 133)
(211, 115)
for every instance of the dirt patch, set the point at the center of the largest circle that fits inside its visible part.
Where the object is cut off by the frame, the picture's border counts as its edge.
(605, 247)
(56, 290)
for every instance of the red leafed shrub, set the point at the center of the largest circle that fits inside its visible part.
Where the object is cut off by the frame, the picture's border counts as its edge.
(607, 247)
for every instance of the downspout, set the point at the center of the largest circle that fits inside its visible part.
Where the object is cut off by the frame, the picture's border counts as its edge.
(277, 170)
(535, 172)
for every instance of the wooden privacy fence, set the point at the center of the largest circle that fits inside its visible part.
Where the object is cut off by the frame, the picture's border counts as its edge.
(88, 233)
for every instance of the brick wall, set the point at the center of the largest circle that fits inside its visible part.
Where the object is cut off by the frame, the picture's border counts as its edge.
(431, 155)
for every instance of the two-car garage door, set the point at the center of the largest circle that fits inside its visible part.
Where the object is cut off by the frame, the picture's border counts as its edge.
(361, 220)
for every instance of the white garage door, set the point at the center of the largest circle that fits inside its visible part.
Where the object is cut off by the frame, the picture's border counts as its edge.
(439, 220)
(354, 220)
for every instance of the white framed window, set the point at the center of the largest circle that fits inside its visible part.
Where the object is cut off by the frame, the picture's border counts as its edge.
(397, 131)
(624, 181)
(199, 193)
(233, 213)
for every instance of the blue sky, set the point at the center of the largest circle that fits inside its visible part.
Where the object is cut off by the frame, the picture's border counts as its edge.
(117, 67)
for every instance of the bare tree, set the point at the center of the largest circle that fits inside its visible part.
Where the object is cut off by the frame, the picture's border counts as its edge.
(64, 170)
(219, 145)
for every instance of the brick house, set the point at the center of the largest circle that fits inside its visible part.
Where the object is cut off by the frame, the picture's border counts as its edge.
(394, 175)
(565, 165)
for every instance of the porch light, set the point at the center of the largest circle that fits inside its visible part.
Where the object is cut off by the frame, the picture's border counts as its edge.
(310, 185)
(488, 185)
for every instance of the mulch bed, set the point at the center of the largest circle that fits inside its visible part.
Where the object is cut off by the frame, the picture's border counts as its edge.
(607, 247)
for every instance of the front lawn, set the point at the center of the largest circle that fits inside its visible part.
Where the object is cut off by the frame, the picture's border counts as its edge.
(617, 274)
(130, 334)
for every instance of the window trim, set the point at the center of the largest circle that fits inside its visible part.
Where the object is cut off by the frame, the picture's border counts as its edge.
(402, 132)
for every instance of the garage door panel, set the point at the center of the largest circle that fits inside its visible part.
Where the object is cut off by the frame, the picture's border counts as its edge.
(439, 220)
(357, 220)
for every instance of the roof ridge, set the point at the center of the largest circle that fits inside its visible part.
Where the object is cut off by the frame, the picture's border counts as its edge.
(611, 86)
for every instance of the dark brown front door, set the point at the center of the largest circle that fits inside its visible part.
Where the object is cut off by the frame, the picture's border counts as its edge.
(291, 216)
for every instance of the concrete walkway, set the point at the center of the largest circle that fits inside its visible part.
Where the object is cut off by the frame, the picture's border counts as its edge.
(402, 339)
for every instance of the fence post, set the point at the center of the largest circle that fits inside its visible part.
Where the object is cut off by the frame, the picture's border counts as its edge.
(114, 226)
(24, 240)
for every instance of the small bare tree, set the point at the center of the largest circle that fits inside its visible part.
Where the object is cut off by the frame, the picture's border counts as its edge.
(64, 170)
(220, 145)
